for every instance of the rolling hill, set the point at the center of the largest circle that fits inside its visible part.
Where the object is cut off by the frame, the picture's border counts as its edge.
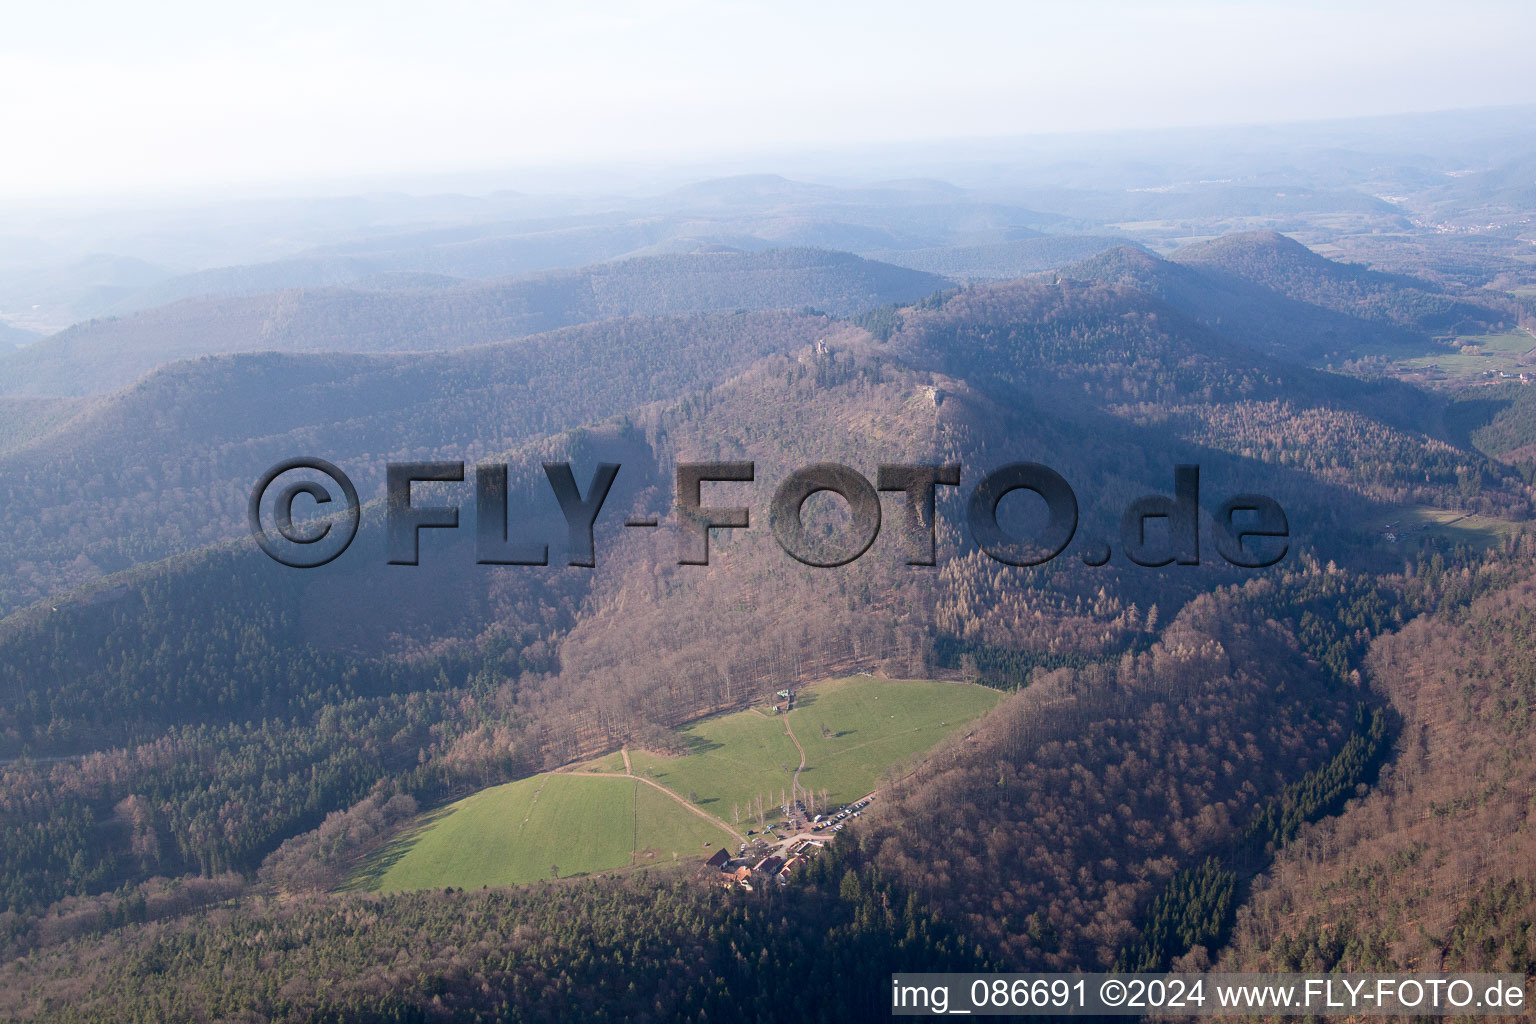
(1274, 294)
(103, 356)
(745, 212)
(198, 433)
(964, 379)
(1280, 264)
(167, 461)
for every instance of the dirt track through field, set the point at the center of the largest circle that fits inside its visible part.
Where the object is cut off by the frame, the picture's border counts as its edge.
(794, 788)
(663, 789)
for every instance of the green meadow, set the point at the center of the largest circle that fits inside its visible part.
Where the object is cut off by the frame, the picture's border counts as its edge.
(731, 760)
(574, 822)
(612, 763)
(532, 828)
(1475, 355)
(1413, 523)
(872, 724)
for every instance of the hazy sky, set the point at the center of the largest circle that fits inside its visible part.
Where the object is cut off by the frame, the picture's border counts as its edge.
(113, 96)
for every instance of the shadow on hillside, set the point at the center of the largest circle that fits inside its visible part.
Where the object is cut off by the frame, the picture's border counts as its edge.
(699, 745)
(374, 867)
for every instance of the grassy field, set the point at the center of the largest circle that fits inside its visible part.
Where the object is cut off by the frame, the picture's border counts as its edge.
(612, 763)
(1476, 355)
(730, 761)
(874, 723)
(522, 831)
(1412, 522)
(871, 724)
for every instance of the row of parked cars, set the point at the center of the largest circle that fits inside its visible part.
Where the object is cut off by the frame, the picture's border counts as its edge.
(836, 821)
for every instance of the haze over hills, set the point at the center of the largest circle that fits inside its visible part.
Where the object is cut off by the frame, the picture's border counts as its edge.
(410, 313)
(995, 260)
(15, 337)
(747, 212)
(31, 296)
(1370, 194)
(1223, 205)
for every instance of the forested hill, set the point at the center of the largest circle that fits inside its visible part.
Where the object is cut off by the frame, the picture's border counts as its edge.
(401, 316)
(1108, 344)
(251, 700)
(162, 467)
(166, 461)
(1447, 825)
(1116, 363)
(1103, 382)
(1281, 264)
(1275, 294)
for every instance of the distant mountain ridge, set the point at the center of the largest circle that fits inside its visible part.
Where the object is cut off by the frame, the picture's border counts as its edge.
(1125, 330)
(747, 212)
(400, 313)
(1000, 260)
